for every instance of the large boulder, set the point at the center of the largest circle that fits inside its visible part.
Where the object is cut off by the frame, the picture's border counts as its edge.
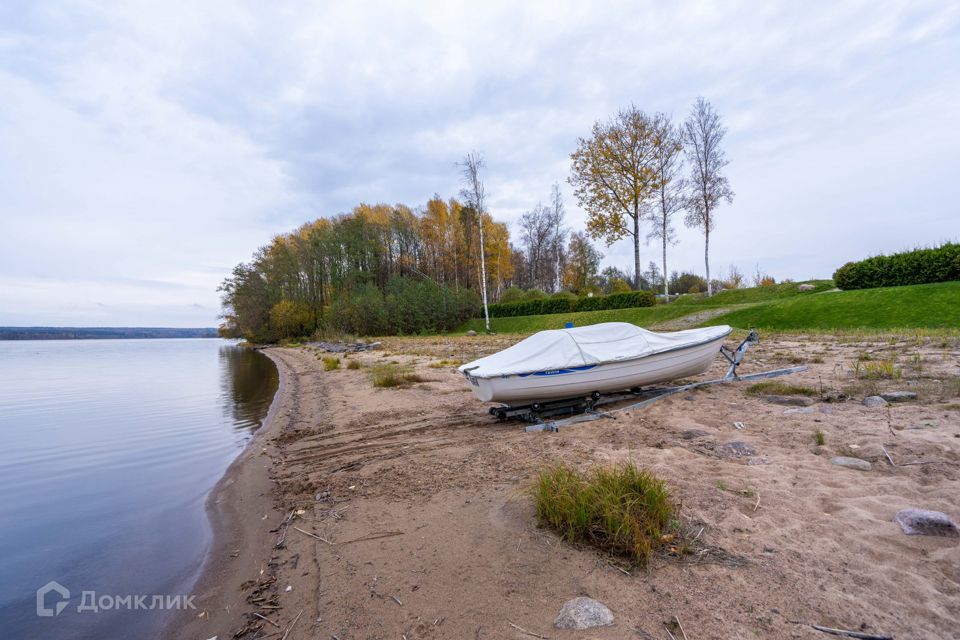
(583, 613)
(920, 522)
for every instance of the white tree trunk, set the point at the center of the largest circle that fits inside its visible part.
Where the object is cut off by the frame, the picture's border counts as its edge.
(636, 251)
(666, 285)
(706, 259)
(483, 277)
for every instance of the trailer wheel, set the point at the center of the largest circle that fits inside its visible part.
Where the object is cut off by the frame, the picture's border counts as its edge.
(595, 396)
(501, 414)
(536, 407)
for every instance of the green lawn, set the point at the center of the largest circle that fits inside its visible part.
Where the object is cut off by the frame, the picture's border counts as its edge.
(780, 307)
(924, 306)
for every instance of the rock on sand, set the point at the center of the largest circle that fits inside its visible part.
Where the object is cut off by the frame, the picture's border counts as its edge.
(851, 463)
(874, 401)
(583, 613)
(920, 522)
(898, 396)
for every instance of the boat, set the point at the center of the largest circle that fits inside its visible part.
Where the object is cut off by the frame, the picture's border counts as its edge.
(591, 360)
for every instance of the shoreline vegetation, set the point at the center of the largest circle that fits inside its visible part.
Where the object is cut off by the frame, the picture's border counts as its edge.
(368, 511)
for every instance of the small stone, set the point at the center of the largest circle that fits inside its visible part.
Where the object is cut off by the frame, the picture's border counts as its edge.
(692, 434)
(805, 287)
(471, 332)
(851, 463)
(323, 495)
(790, 401)
(874, 401)
(920, 522)
(583, 613)
(898, 396)
(803, 410)
(737, 449)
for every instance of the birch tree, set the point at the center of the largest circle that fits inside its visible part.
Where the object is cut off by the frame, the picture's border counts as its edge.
(708, 187)
(474, 197)
(559, 234)
(668, 197)
(613, 177)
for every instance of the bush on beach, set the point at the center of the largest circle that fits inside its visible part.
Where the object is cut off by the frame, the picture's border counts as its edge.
(621, 509)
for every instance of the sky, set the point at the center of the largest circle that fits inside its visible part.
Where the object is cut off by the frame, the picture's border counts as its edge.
(148, 147)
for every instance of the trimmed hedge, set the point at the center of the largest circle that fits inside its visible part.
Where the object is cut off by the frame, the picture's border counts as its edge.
(548, 306)
(921, 266)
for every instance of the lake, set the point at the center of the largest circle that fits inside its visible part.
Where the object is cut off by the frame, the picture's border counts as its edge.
(109, 450)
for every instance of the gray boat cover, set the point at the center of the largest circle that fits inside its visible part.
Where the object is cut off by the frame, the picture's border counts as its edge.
(558, 349)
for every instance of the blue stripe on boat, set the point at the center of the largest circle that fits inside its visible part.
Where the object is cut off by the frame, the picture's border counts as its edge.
(558, 372)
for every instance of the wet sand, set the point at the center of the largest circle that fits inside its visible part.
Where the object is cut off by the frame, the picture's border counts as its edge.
(407, 512)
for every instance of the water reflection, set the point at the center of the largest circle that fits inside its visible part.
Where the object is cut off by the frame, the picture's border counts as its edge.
(248, 380)
(110, 448)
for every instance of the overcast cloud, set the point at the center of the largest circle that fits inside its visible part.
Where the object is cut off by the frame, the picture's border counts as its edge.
(146, 148)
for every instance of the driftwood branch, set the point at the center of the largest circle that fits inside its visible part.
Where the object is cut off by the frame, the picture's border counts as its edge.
(529, 633)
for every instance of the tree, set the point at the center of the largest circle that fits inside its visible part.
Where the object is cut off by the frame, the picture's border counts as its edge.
(583, 260)
(669, 185)
(475, 196)
(613, 176)
(537, 236)
(703, 132)
(559, 234)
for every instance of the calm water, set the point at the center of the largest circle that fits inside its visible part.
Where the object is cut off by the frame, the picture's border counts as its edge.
(108, 449)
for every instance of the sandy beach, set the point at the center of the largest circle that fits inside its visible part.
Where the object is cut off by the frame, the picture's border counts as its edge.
(361, 512)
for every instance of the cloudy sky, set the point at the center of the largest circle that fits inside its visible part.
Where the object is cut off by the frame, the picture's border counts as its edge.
(147, 147)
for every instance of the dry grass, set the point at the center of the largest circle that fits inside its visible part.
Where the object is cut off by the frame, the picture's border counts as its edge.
(393, 375)
(876, 370)
(330, 363)
(623, 509)
(354, 364)
(776, 387)
(442, 364)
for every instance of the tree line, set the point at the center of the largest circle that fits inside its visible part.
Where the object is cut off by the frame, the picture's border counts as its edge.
(383, 269)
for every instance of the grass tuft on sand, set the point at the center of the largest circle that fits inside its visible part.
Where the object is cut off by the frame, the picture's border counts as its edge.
(819, 438)
(393, 375)
(621, 509)
(775, 387)
(354, 364)
(330, 363)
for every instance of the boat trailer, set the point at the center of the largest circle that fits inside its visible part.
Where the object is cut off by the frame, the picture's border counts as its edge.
(585, 409)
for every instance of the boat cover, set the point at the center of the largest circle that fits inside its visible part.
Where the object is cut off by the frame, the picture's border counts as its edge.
(586, 346)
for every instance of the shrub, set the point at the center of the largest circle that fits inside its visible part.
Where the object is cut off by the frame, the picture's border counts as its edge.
(330, 363)
(353, 364)
(534, 294)
(392, 375)
(569, 304)
(920, 266)
(621, 509)
(512, 294)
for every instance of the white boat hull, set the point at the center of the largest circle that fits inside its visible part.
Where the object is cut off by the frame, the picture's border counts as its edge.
(603, 378)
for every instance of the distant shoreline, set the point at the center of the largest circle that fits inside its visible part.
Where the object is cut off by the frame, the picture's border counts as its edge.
(103, 333)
